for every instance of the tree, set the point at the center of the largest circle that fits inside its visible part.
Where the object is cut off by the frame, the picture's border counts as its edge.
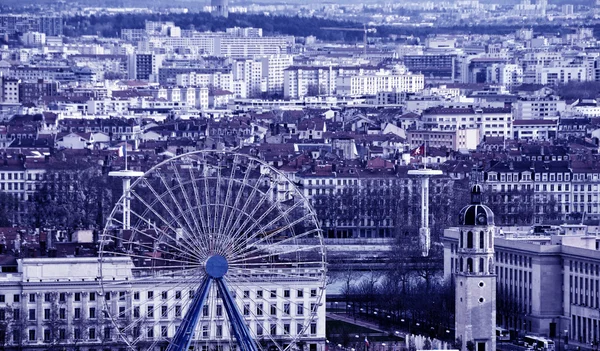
(56, 324)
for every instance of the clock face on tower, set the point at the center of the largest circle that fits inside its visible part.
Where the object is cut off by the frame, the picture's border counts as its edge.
(481, 219)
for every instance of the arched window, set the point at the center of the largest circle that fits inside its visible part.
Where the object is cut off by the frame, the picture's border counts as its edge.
(481, 263)
(490, 239)
(461, 265)
(461, 239)
(481, 239)
(469, 265)
(470, 240)
(491, 266)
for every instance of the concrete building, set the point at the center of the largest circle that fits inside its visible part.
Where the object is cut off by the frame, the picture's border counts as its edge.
(491, 122)
(220, 8)
(456, 139)
(371, 84)
(63, 304)
(10, 90)
(144, 66)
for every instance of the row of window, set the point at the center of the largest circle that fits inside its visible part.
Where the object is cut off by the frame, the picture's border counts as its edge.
(164, 295)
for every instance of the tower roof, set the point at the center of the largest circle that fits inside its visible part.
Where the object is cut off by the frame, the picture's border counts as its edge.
(476, 213)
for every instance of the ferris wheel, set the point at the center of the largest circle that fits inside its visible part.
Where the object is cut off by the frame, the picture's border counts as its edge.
(223, 252)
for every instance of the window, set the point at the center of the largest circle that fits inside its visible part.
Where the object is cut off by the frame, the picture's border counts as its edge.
(62, 297)
(177, 311)
(286, 293)
(286, 308)
(92, 312)
(17, 298)
(150, 311)
(164, 312)
(246, 294)
(77, 313)
(92, 296)
(259, 309)
(106, 332)
(300, 309)
(31, 334)
(273, 294)
(313, 328)
(481, 239)
(205, 311)
(92, 333)
(273, 310)
(178, 295)
(47, 313)
(300, 293)
(107, 296)
(259, 329)
(246, 309)
(76, 334)
(31, 297)
(219, 310)
(32, 314)
(136, 312)
(136, 295)
(2, 298)
(164, 295)
(77, 297)
(150, 295)
(122, 295)
(469, 240)
(313, 292)
(286, 328)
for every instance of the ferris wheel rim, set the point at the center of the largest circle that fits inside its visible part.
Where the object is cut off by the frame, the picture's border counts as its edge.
(318, 234)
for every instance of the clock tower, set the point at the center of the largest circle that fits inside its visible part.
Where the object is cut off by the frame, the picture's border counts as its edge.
(475, 278)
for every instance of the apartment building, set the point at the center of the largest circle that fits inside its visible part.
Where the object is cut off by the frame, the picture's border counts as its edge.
(371, 84)
(491, 122)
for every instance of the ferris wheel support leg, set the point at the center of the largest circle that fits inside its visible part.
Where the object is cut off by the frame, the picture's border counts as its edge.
(185, 332)
(238, 325)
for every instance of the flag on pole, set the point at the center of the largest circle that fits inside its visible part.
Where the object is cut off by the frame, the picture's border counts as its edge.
(366, 341)
(123, 150)
(418, 151)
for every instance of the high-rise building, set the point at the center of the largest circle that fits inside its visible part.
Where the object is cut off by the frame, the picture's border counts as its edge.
(51, 25)
(475, 279)
(220, 8)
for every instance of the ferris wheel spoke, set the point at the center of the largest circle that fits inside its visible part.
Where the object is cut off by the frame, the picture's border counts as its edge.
(159, 198)
(198, 225)
(182, 212)
(225, 202)
(238, 230)
(138, 243)
(294, 238)
(198, 207)
(255, 247)
(167, 223)
(131, 254)
(266, 213)
(158, 239)
(243, 184)
(278, 253)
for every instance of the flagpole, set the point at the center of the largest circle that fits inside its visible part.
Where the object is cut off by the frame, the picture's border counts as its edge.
(424, 154)
(125, 154)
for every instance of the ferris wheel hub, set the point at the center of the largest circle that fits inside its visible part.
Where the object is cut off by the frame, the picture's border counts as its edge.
(216, 266)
